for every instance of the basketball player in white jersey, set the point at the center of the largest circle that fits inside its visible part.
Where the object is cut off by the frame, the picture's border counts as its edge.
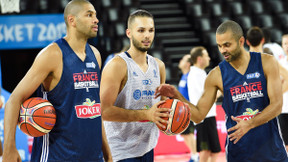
(127, 94)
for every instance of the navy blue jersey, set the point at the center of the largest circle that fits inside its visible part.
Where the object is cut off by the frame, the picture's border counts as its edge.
(244, 97)
(77, 134)
(183, 87)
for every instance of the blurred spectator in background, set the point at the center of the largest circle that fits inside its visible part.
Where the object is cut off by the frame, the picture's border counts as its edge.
(188, 134)
(274, 47)
(109, 57)
(255, 39)
(207, 135)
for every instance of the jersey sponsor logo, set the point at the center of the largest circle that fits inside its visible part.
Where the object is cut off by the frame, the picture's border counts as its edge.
(155, 73)
(246, 91)
(85, 80)
(182, 83)
(147, 82)
(88, 109)
(135, 74)
(90, 65)
(144, 94)
(253, 75)
(249, 114)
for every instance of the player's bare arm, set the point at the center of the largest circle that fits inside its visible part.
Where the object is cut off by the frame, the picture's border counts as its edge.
(162, 73)
(44, 69)
(271, 71)
(199, 112)
(113, 80)
(213, 83)
(97, 55)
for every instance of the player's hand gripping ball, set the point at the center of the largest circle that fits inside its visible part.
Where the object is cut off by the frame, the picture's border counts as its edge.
(180, 119)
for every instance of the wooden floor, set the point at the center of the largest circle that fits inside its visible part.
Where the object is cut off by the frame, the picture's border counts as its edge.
(182, 158)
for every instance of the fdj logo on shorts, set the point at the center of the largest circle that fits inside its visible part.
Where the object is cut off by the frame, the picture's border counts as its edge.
(144, 94)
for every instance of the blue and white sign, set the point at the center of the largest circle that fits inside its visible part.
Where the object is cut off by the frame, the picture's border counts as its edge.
(30, 31)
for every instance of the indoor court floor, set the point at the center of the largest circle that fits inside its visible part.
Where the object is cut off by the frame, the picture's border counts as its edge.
(183, 158)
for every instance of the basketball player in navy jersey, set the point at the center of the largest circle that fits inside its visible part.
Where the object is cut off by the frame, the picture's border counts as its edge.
(127, 94)
(252, 92)
(62, 68)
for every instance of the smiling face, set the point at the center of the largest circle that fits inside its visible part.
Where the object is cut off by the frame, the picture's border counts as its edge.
(228, 46)
(141, 32)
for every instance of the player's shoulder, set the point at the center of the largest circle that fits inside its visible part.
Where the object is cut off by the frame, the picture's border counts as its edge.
(116, 63)
(267, 58)
(215, 71)
(52, 51)
(214, 76)
(159, 62)
(94, 49)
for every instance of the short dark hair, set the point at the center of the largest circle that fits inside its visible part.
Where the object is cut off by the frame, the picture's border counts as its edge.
(255, 35)
(73, 7)
(138, 13)
(232, 26)
(195, 53)
(267, 34)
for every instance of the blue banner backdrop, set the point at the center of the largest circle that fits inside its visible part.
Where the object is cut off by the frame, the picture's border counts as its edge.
(30, 31)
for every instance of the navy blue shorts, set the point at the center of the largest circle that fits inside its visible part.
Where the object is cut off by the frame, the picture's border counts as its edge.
(148, 157)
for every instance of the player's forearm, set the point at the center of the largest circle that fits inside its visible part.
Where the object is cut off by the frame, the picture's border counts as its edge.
(10, 123)
(118, 114)
(269, 113)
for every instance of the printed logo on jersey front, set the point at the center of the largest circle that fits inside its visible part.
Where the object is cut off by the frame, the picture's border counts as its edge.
(246, 91)
(90, 65)
(88, 109)
(253, 75)
(144, 94)
(155, 73)
(85, 80)
(147, 82)
(182, 83)
(135, 74)
(249, 114)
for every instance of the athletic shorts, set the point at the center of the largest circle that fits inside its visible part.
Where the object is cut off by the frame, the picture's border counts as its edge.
(207, 136)
(190, 129)
(148, 157)
(283, 121)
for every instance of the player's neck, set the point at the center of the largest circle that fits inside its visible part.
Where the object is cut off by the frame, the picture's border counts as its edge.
(256, 49)
(78, 45)
(138, 56)
(242, 62)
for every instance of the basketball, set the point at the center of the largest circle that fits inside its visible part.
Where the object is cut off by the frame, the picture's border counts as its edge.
(37, 117)
(180, 119)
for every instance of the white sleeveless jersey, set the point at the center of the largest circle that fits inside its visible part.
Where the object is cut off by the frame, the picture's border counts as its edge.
(134, 139)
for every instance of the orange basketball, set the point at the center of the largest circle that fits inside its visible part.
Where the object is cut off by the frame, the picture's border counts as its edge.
(180, 119)
(37, 117)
